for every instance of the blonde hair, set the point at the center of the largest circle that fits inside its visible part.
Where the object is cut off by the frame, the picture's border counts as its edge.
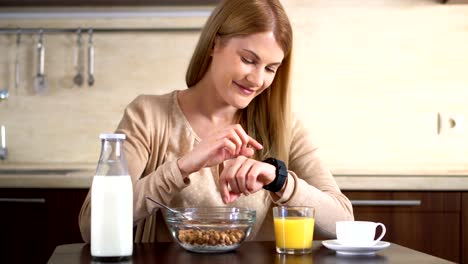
(267, 117)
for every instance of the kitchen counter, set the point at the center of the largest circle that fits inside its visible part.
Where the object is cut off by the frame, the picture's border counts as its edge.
(403, 182)
(60, 178)
(71, 180)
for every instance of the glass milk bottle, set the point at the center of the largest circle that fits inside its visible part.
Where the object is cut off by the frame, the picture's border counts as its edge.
(112, 202)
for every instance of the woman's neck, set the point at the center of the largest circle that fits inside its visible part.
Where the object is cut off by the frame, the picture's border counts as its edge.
(203, 100)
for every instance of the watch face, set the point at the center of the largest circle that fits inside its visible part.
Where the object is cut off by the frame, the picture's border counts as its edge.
(282, 168)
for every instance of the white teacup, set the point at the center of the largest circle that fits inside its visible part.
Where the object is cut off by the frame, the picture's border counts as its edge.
(358, 233)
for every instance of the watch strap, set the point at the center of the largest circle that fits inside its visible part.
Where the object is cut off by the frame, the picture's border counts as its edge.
(281, 175)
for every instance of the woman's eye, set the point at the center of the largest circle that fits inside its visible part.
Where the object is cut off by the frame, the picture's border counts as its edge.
(247, 60)
(270, 70)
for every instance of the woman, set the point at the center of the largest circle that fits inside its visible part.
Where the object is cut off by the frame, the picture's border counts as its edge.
(208, 145)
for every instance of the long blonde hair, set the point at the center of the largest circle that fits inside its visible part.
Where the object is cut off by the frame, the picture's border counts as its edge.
(267, 117)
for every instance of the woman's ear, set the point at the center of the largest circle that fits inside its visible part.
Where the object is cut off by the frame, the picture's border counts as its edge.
(215, 45)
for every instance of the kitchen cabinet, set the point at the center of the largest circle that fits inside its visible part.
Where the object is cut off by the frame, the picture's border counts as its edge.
(464, 245)
(424, 221)
(432, 222)
(68, 207)
(41, 217)
(26, 220)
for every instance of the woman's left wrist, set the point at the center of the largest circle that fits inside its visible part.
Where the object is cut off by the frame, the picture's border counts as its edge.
(281, 175)
(284, 187)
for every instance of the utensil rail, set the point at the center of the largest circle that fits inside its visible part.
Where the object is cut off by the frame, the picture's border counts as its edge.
(98, 30)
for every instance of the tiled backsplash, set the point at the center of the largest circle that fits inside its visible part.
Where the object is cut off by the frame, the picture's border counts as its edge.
(369, 80)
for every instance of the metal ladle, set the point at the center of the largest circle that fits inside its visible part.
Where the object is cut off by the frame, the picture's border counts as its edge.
(170, 209)
(4, 93)
(78, 79)
(17, 64)
(40, 83)
(90, 58)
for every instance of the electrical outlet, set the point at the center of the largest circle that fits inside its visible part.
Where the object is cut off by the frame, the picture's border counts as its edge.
(450, 124)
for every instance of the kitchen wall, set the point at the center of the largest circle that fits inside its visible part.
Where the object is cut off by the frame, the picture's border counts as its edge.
(371, 79)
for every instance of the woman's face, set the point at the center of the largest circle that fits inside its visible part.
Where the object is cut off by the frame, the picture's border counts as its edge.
(243, 67)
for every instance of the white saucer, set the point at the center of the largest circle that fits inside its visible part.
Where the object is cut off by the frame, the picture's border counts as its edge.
(350, 250)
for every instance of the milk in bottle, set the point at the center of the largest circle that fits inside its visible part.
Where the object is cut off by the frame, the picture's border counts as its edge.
(112, 202)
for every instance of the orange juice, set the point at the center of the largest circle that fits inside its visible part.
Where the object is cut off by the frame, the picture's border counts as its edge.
(294, 232)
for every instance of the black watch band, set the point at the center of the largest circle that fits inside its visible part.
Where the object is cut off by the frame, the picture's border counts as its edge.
(281, 175)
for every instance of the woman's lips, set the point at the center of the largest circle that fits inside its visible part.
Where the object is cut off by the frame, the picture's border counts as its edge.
(244, 89)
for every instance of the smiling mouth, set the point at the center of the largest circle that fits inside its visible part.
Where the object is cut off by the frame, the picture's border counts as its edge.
(244, 89)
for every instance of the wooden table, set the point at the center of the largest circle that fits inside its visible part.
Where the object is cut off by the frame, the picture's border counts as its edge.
(249, 252)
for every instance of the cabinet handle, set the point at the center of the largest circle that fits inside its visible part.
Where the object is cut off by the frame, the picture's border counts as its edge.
(386, 202)
(22, 200)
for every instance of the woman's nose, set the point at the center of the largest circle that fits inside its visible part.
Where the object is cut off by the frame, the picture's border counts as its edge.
(255, 77)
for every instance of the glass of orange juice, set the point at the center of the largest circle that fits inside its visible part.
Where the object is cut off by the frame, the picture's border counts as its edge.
(294, 229)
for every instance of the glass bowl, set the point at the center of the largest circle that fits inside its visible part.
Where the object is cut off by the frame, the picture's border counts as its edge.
(210, 229)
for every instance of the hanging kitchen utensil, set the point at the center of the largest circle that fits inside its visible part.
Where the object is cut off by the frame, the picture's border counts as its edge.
(4, 94)
(78, 79)
(17, 65)
(90, 58)
(40, 84)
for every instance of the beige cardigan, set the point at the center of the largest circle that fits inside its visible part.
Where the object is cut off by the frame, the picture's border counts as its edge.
(158, 134)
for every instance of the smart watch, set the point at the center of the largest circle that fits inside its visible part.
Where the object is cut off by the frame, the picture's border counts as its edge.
(281, 175)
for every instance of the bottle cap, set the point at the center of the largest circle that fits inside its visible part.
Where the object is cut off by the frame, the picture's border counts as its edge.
(111, 136)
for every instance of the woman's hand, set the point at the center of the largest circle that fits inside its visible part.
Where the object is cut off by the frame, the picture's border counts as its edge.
(222, 145)
(242, 175)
